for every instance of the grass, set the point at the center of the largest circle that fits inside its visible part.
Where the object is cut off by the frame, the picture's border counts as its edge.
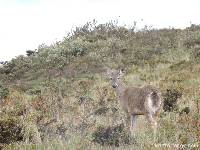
(77, 121)
(63, 100)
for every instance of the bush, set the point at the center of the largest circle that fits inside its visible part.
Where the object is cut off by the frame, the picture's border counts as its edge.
(170, 99)
(195, 54)
(78, 48)
(10, 131)
(29, 52)
(111, 136)
(34, 91)
(4, 92)
(101, 111)
(185, 110)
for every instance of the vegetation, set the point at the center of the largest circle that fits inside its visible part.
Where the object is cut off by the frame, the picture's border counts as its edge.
(58, 96)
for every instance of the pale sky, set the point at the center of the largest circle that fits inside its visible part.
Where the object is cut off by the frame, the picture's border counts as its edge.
(25, 24)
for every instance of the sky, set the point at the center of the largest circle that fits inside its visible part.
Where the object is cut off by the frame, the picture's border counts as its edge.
(26, 24)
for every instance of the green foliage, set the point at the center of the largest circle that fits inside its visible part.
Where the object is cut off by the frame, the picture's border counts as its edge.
(78, 47)
(10, 131)
(29, 52)
(93, 46)
(101, 111)
(170, 99)
(4, 91)
(111, 136)
(62, 96)
(180, 65)
(34, 91)
(185, 110)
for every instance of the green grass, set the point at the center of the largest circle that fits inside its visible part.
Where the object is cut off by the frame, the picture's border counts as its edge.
(60, 95)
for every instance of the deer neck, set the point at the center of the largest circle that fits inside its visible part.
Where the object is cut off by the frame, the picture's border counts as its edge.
(120, 89)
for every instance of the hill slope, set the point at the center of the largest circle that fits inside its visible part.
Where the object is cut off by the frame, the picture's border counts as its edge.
(59, 96)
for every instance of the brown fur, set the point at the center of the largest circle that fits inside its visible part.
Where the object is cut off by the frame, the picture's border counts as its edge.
(135, 101)
(134, 98)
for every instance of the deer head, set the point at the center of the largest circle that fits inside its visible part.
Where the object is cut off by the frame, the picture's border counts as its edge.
(115, 77)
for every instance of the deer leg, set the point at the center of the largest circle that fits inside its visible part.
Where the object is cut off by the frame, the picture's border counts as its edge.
(127, 121)
(153, 123)
(133, 119)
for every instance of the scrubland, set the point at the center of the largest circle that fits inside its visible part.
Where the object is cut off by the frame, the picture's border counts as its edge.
(58, 96)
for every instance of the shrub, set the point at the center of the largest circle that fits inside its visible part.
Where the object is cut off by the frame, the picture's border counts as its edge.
(34, 91)
(29, 52)
(10, 131)
(111, 136)
(185, 110)
(4, 92)
(170, 99)
(195, 54)
(101, 111)
(78, 48)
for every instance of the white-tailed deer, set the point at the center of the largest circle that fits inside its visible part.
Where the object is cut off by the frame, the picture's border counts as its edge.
(146, 100)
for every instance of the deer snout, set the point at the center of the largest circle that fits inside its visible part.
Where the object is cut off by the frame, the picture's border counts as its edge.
(114, 85)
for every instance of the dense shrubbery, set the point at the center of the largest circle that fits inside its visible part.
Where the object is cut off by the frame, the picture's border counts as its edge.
(10, 131)
(170, 99)
(111, 136)
(105, 44)
(60, 91)
(4, 91)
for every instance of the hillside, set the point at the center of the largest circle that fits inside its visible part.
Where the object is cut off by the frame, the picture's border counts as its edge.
(59, 97)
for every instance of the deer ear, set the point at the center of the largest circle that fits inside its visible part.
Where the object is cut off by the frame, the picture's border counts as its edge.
(121, 72)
